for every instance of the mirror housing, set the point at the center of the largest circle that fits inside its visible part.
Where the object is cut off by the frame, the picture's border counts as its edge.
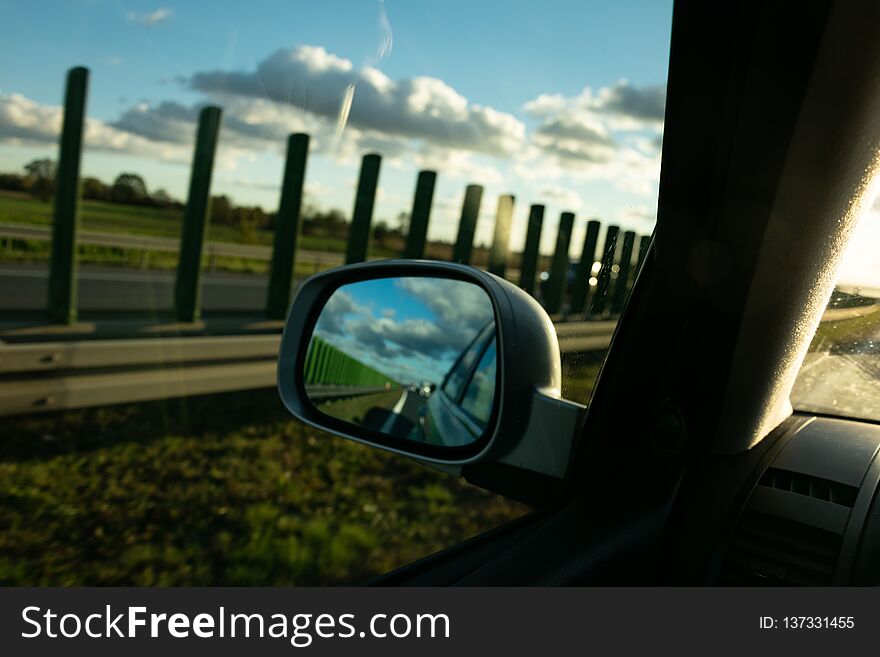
(526, 450)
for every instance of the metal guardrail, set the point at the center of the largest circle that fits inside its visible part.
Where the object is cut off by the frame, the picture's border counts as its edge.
(49, 376)
(41, 377)
(43, 357)
(326, 393)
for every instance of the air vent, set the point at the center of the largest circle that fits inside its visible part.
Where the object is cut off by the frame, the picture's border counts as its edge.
(773, 551)
(790, 532)
(815, 487)
(803, 508)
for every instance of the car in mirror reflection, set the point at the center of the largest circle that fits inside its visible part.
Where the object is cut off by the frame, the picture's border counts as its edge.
(459, 411)
(372, 336)
(456, 412)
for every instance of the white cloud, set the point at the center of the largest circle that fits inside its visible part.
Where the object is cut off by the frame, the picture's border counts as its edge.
(458, 164)
(412, 348)
(638, 217)
(258, 125)
(151, 18)
(24, 121)
(563, 196)
(642, 106)
(168, 122)
(612, 135)
(421, 108)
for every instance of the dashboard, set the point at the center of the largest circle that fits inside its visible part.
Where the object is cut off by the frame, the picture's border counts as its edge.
(809, 514)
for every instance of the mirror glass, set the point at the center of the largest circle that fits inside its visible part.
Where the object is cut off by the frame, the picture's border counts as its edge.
(411, 357)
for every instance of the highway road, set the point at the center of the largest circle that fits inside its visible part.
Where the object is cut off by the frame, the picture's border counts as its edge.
(108, 289)
(404, 417)
(399, 420)
(23, 288)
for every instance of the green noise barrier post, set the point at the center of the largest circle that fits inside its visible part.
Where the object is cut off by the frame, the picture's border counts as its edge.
(61, 307)
(195, 217)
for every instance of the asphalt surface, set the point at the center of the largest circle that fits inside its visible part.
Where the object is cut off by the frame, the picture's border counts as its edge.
(400, 420)
(24, 288)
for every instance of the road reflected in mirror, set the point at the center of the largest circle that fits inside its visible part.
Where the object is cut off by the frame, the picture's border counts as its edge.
(412, 357)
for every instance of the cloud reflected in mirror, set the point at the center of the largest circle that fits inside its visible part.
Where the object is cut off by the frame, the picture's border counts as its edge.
(411, 357)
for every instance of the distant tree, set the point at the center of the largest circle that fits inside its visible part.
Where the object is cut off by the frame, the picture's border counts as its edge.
(12, 182)
(40, 168)
(162, 198)
(381, 231)
(40, 178)
(262, 220)
(95, 190)
(221, 210)
(129, 188)
(271, 218)
(331, 223)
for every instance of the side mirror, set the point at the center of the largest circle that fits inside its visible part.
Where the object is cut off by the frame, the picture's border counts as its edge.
(441, 362)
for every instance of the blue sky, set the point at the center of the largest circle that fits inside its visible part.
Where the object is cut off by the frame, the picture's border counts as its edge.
(555, 102)
(411, 328)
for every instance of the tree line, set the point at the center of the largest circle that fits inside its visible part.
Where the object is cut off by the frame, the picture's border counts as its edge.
(38, 180)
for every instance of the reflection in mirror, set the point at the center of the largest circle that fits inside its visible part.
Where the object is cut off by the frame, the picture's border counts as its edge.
(411, 357)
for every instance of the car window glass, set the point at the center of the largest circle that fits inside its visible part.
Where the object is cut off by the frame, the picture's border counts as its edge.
(840, 374)
(520, 138)
(480, 392)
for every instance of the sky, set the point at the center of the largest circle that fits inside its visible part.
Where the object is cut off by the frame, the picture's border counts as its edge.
(559, 103)
(412, 328)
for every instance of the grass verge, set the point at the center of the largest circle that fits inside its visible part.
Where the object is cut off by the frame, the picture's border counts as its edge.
(37, 252)
(156, 222)
(220, 490)
(843, 331)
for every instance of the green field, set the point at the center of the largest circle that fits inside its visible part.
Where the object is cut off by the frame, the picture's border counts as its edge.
(128, 219)
(158, 222)
(138, 220)
(218, 490)
(842, 331)
(36, 252)
(226, 489)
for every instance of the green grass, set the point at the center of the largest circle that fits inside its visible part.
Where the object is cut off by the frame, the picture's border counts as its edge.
(156, 222)
(36, 252)
(116, 218)
(225, 489)
(843, 331)
(217, 490)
